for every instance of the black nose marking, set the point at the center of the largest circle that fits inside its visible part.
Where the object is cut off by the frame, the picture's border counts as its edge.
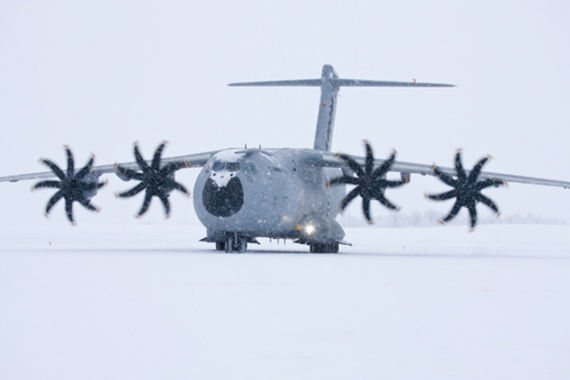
(223, 201)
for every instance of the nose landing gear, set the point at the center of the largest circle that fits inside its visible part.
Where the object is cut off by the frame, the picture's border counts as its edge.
(234, 243)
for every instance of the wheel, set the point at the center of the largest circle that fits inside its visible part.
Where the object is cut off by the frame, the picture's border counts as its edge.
(242, 245)
(317, 248)
(229, 245)
(333, 247)
(324, 248)
(220, 246)
(235, 245)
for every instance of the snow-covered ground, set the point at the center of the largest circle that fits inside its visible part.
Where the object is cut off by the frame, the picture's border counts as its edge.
(149, 301)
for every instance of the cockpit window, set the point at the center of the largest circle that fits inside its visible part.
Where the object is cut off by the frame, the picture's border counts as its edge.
(229, 166)
(218, 166)
(232, 166)
(248, 168)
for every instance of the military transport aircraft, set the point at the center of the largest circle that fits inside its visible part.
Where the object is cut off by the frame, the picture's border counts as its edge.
(243, 194)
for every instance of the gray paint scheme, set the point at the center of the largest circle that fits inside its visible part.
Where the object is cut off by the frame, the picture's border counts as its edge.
(284, 190)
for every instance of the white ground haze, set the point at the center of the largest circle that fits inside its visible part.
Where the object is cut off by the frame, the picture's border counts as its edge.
(150, 301)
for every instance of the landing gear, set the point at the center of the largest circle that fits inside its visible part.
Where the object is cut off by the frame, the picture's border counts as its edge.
(324, 248)
(234, 244)
(220, 246)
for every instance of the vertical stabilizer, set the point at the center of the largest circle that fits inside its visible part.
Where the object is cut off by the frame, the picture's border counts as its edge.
(327, 109)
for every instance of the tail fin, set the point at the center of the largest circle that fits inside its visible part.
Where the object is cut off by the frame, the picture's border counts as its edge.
(330, 84)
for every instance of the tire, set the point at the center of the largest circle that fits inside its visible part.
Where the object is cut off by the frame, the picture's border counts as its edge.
(235, 245)
(242, 245)
(220, 246)
(324, 248)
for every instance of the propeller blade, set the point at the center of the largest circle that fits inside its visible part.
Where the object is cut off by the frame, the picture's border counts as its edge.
(353, 194)
(58, 172)
(47, 184)
(70, 162)
(134, 191)
(53, 200)
(146, 203)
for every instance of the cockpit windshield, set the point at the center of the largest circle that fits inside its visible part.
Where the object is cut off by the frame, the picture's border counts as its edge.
(232, 166)
(229, 166)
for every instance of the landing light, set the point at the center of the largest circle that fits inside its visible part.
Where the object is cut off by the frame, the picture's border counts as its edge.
(310, 229)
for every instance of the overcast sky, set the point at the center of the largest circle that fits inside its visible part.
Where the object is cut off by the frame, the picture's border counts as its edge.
(99, 75)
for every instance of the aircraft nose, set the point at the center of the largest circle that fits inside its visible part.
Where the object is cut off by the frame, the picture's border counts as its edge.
(224, 200)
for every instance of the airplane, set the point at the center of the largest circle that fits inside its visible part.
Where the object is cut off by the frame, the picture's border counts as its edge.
(244, 194)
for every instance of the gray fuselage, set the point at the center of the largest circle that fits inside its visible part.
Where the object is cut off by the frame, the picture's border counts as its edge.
(268, 193)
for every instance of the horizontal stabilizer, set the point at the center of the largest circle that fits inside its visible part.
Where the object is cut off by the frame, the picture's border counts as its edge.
(298, 82)
(330, 84)
(339, 82)
(378, 83)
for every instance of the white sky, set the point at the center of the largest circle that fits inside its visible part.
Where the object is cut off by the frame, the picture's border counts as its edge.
(100, 75)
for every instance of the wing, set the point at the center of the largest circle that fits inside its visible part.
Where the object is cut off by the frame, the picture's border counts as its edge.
(330, 160)
(193, 160)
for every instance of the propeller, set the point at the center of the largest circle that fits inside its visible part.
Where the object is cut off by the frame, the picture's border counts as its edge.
(467, 189)
(156, 180)
(370, 183)
(73, 187)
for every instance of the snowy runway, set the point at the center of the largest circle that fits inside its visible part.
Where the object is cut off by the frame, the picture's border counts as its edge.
(150, 301)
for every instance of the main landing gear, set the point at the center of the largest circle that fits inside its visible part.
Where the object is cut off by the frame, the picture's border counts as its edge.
(323, 247)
